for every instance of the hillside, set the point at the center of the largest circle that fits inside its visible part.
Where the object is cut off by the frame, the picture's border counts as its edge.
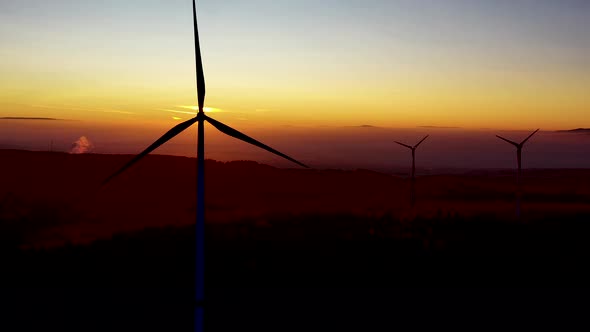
(64, 191)
(332, 243)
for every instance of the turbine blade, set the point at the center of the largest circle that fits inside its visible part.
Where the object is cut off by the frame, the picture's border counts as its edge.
(236, 134)
(165, 138)
(425, 137)
(507, 140)
(400, 143)
(199, 62)
(531, 135)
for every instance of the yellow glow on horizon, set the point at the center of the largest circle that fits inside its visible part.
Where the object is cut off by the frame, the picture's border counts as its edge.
(211, 110)
(467, 71)
(205, 109)
(180, 112)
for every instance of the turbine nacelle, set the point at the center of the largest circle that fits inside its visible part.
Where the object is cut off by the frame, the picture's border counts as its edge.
(412, 147)
(518, 145)
(185, 125)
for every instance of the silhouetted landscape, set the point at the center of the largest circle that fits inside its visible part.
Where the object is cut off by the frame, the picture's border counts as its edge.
(576, 131)
(114, 218)
(332, 230)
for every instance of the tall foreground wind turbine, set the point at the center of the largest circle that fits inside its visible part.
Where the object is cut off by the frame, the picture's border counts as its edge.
(413, 178)
(519, 161)
(200, 119)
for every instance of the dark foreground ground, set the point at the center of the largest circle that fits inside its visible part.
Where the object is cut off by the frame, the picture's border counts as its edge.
(287, 249)
(311, 273)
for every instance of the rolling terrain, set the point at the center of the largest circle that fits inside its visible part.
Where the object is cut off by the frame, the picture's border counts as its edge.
(279, 241)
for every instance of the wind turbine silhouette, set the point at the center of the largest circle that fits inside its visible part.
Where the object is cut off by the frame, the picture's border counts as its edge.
(519, 161)
(200, 118)
(413, 178)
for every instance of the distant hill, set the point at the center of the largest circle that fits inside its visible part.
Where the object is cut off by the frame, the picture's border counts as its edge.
(367, 126)
(64, 191)
(576, 131)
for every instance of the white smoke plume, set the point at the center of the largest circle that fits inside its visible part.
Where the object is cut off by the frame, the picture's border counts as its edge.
(82, 145)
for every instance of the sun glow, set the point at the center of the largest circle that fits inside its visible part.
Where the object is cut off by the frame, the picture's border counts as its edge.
(205, 109)
(194, 112)
(528, 70)
(180, 112)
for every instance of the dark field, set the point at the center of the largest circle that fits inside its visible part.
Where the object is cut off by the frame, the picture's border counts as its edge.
(287, 249)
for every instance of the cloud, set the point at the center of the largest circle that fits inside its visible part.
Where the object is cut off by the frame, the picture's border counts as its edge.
(82, 145)
(179, 112)
(194, 109)
(84, 109)
(29, 118)
(206, 109)
(111, 111)
(439, 127)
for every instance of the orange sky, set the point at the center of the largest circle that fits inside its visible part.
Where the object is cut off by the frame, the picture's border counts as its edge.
(388, 63)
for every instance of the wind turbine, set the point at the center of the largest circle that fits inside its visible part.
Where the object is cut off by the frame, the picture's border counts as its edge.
(519, 161)
(200, 119)
(413, 178)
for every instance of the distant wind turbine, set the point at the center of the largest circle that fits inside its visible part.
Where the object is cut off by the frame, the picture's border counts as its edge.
(200, 119)
(413, 178)
(519, 161)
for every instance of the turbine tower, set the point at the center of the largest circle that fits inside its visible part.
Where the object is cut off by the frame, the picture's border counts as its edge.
(413, 177)
(519, 162)
(200, 119)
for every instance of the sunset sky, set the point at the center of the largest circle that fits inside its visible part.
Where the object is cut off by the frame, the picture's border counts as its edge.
(510, 65)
